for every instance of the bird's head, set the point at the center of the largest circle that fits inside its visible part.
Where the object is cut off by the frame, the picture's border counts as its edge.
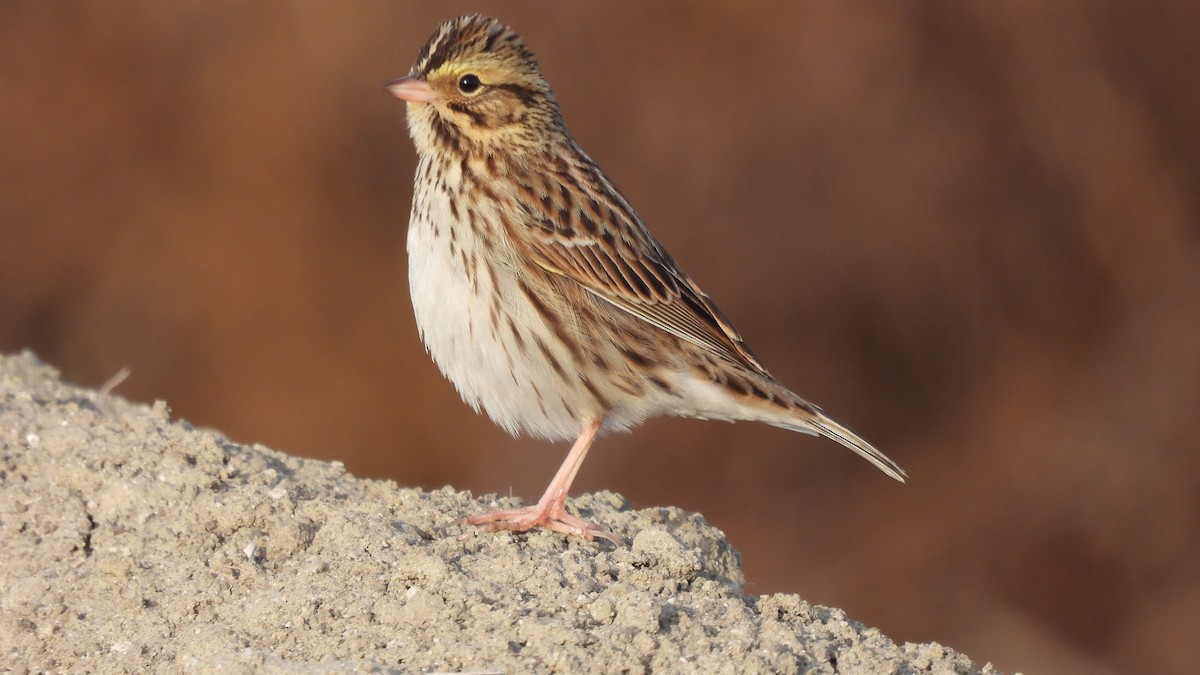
(476, 86)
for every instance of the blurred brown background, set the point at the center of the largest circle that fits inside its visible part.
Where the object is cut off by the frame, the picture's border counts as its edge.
(970, 230)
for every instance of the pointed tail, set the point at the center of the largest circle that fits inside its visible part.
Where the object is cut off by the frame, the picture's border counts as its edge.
(814, 420)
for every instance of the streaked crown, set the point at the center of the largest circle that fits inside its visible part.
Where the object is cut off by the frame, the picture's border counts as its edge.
(488, 91)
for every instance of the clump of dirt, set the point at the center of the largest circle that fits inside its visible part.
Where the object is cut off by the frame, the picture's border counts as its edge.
(129, 541)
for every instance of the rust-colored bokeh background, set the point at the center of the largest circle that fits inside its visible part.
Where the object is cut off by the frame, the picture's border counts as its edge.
(970, 230)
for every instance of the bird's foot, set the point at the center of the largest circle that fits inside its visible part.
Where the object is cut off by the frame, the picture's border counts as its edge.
(551, 517)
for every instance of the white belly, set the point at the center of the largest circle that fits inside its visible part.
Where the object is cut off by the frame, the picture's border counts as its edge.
(518, 389)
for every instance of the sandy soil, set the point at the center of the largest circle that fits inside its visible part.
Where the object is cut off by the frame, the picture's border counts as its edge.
(129, 541)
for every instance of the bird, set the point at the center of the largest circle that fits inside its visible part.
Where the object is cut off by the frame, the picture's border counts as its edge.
(538, 290)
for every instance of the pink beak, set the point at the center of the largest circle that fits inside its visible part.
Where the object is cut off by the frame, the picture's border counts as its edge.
(412, 88)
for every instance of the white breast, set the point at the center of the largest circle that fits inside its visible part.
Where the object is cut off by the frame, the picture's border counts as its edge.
(518, 389)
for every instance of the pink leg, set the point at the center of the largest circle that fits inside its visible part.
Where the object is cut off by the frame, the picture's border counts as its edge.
(549, 512)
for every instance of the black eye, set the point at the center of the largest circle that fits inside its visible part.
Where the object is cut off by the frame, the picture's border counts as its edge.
(469, 84)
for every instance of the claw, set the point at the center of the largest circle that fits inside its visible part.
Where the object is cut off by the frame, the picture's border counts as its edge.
(551, 517)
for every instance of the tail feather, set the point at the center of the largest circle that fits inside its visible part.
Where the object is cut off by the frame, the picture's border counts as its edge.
(816, 421)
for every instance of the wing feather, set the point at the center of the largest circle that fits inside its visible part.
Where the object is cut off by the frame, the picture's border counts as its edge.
(616, 258)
